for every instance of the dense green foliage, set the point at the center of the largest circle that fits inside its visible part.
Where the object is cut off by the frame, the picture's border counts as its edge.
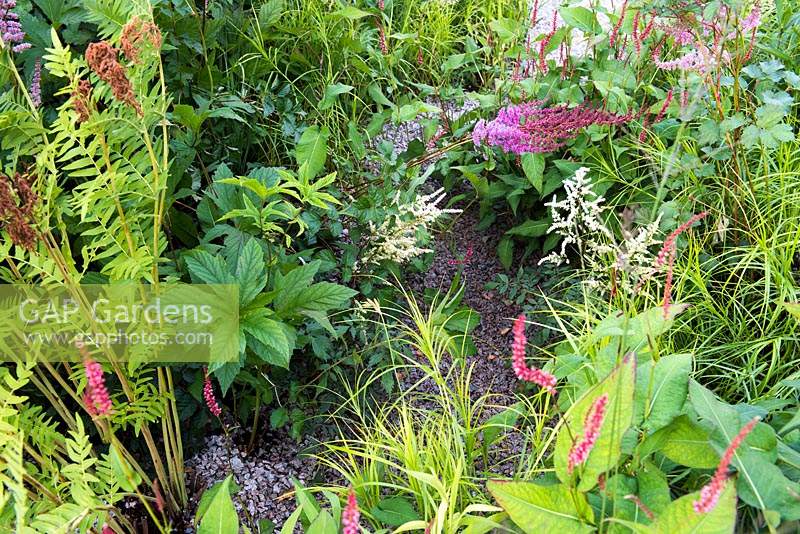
(309, 152)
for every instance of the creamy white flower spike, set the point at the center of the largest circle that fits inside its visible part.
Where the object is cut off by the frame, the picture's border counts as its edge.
(579, 220)
(395, 238)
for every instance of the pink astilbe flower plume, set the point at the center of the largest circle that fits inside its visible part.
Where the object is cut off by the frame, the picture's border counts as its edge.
(709, 495)
(531, 128)
(208, 395)
(350, 515)
(99, 402)
(529, 374)
(579, 452)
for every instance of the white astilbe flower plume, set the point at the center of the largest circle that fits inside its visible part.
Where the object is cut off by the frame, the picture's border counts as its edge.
(396, 238)
(578, 219)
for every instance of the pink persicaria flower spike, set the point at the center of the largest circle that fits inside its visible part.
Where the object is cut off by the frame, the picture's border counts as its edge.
(612, 38)
(666, 256)
(350, 515)
(99, 400)
(579, 452)
(208, 395)
(709, 495)
(529, 374)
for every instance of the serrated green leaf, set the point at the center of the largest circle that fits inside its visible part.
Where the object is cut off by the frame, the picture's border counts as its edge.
(250, 272)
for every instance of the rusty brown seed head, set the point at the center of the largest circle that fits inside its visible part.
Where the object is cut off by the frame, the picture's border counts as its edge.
(102, 59)
(135, 34)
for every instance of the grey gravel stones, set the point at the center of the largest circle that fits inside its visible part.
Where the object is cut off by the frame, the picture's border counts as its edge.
(401, 135)
(264, 478)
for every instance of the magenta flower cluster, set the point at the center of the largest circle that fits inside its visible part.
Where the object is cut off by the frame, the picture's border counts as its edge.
(579, 452)
(208, 396)
(531, 128)
(10, 28)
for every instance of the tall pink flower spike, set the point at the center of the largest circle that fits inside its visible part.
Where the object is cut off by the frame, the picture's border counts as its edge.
(96, 397)
(579, 452)
(350, 515)
(529, 374)
(208, 395)
(666, 256)
(709, 495)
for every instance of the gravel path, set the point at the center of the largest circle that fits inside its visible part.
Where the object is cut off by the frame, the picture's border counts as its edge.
(264, 477)
(480, 266)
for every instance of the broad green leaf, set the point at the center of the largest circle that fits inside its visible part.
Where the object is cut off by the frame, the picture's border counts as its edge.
(352, 13)
(533, 165)
(537, 509)
(506, 30)
(649, 325)
(793, 308)
(754, 456)
(680, 516)
(209, 494)
(581, 18)
(454, 62)
(619, 386)
(530, 228)
(312, 150)
(505, 251)
(288, 286)
(220, 517)
(653, 487)
(687, 443)
(767, 488)
(272, 334)
(323, 524)
(377, 95)
(322, 296)
(501, 423)
(394, 511)
(331, 92)
(661, 390)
